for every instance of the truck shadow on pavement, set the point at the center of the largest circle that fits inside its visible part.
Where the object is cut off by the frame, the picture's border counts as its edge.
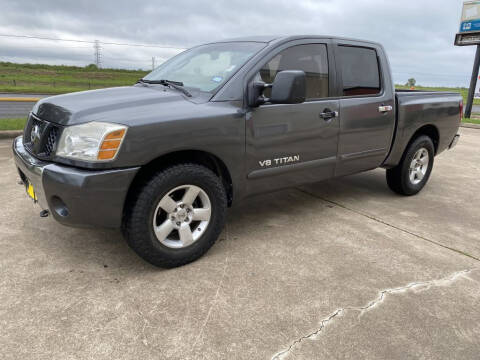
(84, 248)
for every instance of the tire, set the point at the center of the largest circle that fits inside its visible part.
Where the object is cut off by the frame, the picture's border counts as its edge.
(411, 175)
(162, 203)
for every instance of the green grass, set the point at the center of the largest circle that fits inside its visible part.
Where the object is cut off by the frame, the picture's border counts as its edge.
(471, 121)
(462, 91)
(12, 124)
(52, 79)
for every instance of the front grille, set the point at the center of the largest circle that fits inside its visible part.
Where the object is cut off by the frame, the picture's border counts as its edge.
(40, 137)
(51, 141)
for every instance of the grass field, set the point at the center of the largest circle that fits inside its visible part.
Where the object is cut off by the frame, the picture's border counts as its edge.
(53, 79)
(462, 91)
(471, 121)
(12, 124)
(49, 79)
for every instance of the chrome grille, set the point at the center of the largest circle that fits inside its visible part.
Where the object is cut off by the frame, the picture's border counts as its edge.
(40, 137)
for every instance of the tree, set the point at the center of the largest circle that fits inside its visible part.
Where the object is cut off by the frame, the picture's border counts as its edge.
(91, 67)
(411, 82)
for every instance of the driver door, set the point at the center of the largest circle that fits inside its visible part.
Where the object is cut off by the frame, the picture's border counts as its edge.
(292, 144)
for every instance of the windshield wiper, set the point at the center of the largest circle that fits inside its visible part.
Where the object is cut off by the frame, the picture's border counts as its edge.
(174, 84)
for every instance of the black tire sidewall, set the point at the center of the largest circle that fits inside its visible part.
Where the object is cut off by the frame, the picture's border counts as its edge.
(140, 234)
(421, 142)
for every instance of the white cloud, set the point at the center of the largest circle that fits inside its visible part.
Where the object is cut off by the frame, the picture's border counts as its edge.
(418, 35)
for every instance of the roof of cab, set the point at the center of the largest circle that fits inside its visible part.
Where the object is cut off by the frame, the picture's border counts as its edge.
(272, 38)
(259, 38)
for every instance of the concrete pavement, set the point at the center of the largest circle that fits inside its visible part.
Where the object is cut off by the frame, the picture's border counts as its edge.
(433, 214)
(339, 269)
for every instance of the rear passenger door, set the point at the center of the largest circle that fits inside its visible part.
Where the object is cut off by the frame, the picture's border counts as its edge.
(366, 107)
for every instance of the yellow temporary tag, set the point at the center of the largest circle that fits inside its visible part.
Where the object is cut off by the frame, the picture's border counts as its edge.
(31, 192)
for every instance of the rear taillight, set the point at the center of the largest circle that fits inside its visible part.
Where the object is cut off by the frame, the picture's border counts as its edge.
(461, 110)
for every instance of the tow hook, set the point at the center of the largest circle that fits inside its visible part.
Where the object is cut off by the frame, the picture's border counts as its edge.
(44, 213)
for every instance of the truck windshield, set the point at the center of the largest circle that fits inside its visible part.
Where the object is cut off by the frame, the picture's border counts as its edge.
(206, 67)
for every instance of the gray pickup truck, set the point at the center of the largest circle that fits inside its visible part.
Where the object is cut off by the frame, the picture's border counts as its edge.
(163, 159)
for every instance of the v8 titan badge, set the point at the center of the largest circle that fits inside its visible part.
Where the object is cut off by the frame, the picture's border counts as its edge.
(279, 161)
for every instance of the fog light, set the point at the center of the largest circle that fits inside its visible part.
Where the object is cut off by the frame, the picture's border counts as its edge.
(59, 206)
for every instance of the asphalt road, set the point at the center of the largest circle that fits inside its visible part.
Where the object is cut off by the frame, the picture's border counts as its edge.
(15, 109)
(22, 109)
(342, 269)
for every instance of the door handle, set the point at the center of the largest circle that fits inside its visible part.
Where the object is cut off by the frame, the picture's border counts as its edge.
(384, 109)
(328, 114)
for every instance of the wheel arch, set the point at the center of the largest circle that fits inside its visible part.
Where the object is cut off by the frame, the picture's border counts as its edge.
(198, 157)
(401, 144)
(429, 130)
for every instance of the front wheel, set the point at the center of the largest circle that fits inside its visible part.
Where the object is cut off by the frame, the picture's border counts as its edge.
(177, 215)
(413, 172)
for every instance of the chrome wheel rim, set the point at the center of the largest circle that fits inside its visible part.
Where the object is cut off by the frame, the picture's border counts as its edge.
(419, 166)
(182, 216)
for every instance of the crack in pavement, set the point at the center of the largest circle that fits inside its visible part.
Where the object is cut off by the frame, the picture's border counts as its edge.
(415, 286)
(374, 218)
(215, 298)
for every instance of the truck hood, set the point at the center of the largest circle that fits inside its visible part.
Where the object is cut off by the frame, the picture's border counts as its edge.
(106, 104)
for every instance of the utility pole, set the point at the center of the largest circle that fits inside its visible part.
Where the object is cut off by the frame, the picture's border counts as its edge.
(153, 63)
(97, 54)
(473, 84)
(470, 35)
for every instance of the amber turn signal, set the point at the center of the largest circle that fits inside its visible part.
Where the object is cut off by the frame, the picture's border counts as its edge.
(117, 134)
(110, 145)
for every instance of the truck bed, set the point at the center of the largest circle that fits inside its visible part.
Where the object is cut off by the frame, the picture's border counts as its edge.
(414, 110)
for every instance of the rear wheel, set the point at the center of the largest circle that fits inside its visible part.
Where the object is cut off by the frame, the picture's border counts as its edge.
(414, 169)
(177, 215)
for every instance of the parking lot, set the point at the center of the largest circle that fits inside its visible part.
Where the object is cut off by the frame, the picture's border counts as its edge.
(341, 269)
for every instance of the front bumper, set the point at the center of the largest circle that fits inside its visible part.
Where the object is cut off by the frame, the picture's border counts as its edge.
(74, 196)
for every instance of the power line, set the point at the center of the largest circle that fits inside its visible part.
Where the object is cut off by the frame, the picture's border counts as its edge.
(50, 46)
(90, 42)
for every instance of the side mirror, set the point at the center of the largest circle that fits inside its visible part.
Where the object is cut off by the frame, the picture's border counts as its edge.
(255, 95)
(288, 87)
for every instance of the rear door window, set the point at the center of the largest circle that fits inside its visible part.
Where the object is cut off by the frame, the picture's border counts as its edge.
(360, 71)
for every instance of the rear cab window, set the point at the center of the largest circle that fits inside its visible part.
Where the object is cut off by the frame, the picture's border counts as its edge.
(360, 71)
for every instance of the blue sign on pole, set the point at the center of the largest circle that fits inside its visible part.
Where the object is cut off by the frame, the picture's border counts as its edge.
(470, 17)
(468, 26)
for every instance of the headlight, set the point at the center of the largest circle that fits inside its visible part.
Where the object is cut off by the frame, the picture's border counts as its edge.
(95, 141)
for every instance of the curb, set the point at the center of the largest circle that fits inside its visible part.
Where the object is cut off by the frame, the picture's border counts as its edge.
(18, 99)
(470, 126)
(10, 134)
